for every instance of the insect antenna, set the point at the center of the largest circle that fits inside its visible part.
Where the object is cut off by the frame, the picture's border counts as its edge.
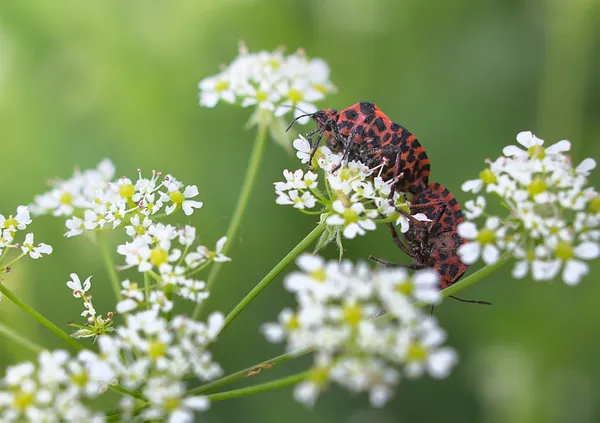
(297, 118)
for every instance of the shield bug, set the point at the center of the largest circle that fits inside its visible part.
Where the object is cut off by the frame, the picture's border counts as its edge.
(363, 132)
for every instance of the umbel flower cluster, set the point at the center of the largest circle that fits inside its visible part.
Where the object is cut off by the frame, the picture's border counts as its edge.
(93, 202)
(351, 200)
(152, 352)
(338, 303)
(149, 354)
(273, 84)
(552, 223)
(270, 81)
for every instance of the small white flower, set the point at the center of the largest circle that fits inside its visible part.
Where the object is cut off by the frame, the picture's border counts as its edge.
(351, 220)
(214, 89)
(126, 306)
(35, 252)
(75, 285)
(182, 199)
(303, 148)
(75, 226)
(482, 243)
(19, 222)
(572, 256)
(474, 209)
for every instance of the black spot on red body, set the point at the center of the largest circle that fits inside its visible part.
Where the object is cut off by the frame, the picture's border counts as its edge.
(350, 114)
(367, 124)
(367, 108)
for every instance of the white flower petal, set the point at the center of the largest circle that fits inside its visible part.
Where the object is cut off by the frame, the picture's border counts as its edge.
(559, 147)
(573, 272)
(490, 254)
(469, 253)
(587, 251)
(467, 230)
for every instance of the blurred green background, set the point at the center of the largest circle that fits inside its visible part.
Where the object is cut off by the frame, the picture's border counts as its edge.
(80, 81)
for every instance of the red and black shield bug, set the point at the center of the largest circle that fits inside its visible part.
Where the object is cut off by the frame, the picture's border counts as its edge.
(363, 132)
(434, 244)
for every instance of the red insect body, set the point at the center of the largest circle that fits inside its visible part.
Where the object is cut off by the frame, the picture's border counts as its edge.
(363, 132)
(434, 244)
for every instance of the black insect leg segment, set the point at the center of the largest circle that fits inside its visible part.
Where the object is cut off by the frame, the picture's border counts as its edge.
(469, 301)
(390, 264)
(329, 125)
(399, 242)
(349, 145)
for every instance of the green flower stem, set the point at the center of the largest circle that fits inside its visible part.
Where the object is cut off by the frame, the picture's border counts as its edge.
(482, 273)
(199, 268)
(257, 152)
(19, 257)
(249, 371)
(110, 265)
(125, 391)
(308, 239)
(37, 316)
(262, 387)
(15, 336)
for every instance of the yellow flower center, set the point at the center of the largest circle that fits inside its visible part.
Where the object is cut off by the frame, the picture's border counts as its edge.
(321, 88)
(126, 191)
(405, 287)
(352, 314)
(486, 236)
(530, 256)
(156, 350)
(319, 375)
(221, 86)
(11, 221)
(22, 400)
(537, 186)
(350, 216)
(158, 256)
(416, 352)
(140, 229)
(536, 152)
(293, 323)
(594, 205)
(177, 197)
(261, 96)
(79, 379)
(66, 198)
(345, 174)
(319, 275)
(274, 63)
(295, 96)
(487, 176)
(564, 251)
(172, 403)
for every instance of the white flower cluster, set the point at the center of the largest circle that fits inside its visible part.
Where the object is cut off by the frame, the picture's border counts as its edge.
(554, 215)
(337, 306)
(164, 252)
(9, 226)
(354, 199)
(148, 355)
(270, 81)
(167, 255)
(93, 201)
